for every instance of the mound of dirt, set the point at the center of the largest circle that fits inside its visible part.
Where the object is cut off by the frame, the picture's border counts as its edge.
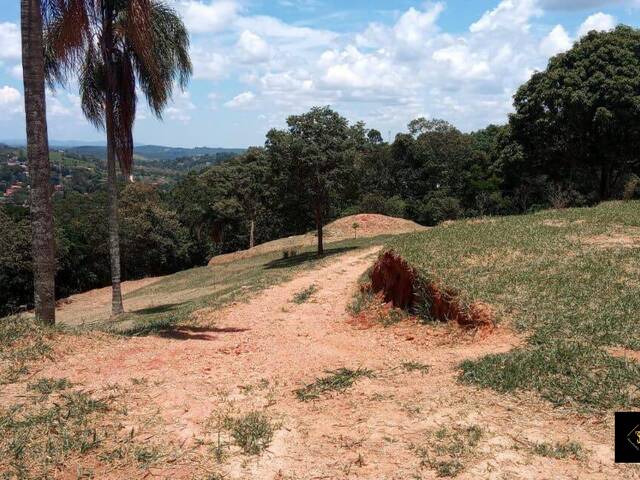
(369, 225)
(403, 287)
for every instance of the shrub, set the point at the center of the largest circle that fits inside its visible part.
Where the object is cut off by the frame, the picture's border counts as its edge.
(438, 208)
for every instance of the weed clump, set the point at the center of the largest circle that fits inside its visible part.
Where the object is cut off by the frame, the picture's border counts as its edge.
(446, 449)
(252, 432)
(560, 450)
(336, 380)
(303, 295)
(46, 386)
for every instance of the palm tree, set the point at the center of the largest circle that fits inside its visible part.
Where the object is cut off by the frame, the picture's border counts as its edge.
(112, 46)
(38, 157)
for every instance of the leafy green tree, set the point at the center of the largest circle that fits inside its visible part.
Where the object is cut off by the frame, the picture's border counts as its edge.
(316, 153)
(582, 113)
(114, 45)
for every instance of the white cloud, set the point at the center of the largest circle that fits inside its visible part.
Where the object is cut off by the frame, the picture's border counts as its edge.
(557, 41)
(508, 15)
(180, 107)
(208, 65)
(252, 48)
(201, 17)
(414, 26)
(463, 62)
(599, 22)
(10, 100)
(240, 101)
(16, 71)
(10, 44)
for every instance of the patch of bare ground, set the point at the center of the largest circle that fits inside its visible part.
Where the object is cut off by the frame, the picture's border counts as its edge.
(93, 306)
(179, 391)
(621, 237)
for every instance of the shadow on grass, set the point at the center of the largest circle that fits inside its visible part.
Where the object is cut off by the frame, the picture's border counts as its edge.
(198, 333)
(168, 307)
(305, 257)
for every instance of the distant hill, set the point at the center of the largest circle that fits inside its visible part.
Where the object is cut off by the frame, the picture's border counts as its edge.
(156, 152)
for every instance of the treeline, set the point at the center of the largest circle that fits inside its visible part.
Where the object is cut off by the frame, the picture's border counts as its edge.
(573, 140)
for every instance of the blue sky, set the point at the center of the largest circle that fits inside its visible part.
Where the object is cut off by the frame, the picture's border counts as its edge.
(383, 62)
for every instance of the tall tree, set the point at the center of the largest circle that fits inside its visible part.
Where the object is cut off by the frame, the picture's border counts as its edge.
(582, 111)
(33, 68)
(316, 150)
(113, 45)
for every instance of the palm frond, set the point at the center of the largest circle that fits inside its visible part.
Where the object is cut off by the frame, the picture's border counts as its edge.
(93, 84)
(170, 46)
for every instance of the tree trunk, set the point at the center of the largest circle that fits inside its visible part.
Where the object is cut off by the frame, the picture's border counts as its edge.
(318, 213)
(44, 267)
(252, 228)
(112, 176)
(605, 181)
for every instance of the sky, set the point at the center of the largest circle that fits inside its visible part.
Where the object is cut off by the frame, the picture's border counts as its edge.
(383, 62)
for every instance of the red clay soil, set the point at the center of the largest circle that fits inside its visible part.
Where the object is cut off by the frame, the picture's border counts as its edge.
(398, 282)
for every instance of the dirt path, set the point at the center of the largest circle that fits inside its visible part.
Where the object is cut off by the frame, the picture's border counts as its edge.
(253, 355)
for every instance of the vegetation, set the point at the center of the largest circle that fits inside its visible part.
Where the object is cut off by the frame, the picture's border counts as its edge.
(560, 450)
(336, 380)
(113, 47)
(252, 432)
(42, 245)
(303, 295)
(566, 278)
(446, 449)
(37, 437)
(22, 342)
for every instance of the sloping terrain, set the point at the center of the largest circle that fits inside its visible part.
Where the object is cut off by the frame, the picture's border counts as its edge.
(368, 225)
(289, 385)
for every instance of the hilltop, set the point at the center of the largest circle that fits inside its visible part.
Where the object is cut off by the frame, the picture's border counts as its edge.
(366, 225)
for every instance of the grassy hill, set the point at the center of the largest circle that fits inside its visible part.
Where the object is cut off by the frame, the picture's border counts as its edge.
(567, 280)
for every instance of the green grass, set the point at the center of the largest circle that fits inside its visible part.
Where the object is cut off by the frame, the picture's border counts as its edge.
(47, 386)
(560, 450)
(23, 341)
(412, 366)
(569, 293)
(36, 438)
(445, 450)
(185, 292)
(252, 432)
(304, 295)
(336, 380)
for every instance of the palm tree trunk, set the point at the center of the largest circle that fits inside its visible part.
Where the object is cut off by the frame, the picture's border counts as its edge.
(44, 267)
(112, 177)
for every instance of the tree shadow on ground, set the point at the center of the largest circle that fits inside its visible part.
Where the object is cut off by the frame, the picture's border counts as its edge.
(198, 333)
(168, 307)
(305, 257)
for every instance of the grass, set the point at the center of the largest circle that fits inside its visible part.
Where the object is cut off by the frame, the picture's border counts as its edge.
(560, 450)
(22, 342)
(185, 292)
(304, 295)
(559, 281)
(412, 366)
(36, 438)
(252, 432)
(445, 450)
(336, 381)
(47, 386)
